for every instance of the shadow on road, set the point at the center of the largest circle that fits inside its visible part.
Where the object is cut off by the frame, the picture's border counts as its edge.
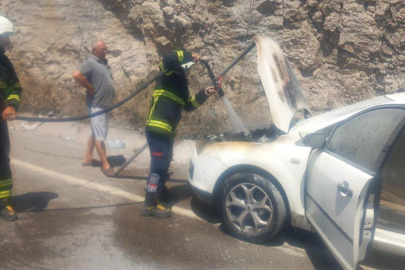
(183, 192)
(32, 201)
(316, 250)
(143, 178)
(116, 161)
(91, 207)
(205, 211)
(380, 260)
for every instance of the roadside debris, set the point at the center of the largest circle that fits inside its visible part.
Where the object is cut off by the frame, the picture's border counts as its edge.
(28, 127)
(116, 144)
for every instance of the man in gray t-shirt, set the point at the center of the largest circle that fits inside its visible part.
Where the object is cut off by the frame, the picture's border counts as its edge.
(95, 75)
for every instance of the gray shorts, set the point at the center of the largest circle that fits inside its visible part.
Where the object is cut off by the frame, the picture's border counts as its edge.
(99, 124)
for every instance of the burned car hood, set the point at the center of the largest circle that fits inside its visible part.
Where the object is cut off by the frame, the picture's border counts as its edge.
(280, 84)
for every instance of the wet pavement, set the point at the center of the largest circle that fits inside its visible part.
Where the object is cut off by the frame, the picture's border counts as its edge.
(73, 217)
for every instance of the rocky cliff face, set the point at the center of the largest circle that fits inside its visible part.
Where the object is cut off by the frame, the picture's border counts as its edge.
(343, 51)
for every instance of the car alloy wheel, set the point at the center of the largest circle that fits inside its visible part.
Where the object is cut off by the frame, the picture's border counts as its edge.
(249, 208)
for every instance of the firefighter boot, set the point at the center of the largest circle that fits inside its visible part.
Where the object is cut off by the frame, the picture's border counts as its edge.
(153, 208)
(7, 212)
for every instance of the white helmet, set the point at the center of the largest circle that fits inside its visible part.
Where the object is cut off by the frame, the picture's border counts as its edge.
(6, 27)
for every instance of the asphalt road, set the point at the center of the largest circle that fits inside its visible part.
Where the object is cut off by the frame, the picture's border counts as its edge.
(73, 217)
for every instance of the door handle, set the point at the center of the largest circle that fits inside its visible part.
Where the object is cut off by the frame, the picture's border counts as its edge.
(345, 190)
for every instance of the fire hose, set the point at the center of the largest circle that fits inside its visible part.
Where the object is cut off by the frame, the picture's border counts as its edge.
(83, 117)
(216, 81)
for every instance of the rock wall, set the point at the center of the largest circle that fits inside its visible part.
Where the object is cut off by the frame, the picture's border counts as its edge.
(343, 51)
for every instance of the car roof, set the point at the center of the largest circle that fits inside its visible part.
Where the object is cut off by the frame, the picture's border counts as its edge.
(329, 118)
(398, 98)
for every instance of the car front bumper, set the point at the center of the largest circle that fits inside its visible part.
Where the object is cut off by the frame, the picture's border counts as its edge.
(204, 173)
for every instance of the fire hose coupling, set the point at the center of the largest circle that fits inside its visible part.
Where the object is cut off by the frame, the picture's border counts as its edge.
(218, 86)
(217, 81)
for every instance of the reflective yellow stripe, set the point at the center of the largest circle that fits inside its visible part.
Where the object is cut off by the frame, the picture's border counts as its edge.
(13, 97)
(3, 85)
(161, 67)
(155, 123)
(169, 73)
(194, 102)
(159, 124)
(5, 194)
(168, 95)
(153, 107)
(6, 182)
(180, 55)
(17, 85)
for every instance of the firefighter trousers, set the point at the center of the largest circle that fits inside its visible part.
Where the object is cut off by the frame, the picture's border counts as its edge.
(6, 182)
(161, 152)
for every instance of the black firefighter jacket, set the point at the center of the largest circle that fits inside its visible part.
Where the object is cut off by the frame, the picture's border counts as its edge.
(171, 95)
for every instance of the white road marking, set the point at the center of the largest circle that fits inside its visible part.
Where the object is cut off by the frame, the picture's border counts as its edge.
(96, 186)
(367, 268)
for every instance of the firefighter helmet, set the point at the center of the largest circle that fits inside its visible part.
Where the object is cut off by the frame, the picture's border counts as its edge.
(6, 27)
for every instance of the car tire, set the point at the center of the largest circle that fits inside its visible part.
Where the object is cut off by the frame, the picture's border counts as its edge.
(262, 216)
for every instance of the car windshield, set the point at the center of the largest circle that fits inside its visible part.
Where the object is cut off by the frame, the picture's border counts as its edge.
(343, 111)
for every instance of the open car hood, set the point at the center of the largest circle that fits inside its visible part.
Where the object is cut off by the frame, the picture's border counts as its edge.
(280, 84)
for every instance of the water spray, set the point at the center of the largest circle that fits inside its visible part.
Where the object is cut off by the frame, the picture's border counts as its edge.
(237, 125)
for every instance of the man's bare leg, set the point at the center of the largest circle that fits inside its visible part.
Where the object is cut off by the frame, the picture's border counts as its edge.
(88, 158)
(100, 147)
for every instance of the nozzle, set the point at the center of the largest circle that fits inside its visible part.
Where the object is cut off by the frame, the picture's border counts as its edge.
(216, 81)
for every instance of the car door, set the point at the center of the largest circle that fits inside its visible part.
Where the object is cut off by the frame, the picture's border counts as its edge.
(390, 231)
(340, 187)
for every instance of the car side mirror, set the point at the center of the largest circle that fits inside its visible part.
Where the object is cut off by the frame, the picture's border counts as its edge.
(314, 140)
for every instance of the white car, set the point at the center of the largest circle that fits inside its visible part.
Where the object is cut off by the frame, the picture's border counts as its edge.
(325, 173)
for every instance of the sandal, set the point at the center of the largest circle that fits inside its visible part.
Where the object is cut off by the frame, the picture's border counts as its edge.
(109, 172)
(93, 163)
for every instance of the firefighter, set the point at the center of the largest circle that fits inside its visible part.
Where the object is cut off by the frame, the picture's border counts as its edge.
(170, 97)
(10, 95)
